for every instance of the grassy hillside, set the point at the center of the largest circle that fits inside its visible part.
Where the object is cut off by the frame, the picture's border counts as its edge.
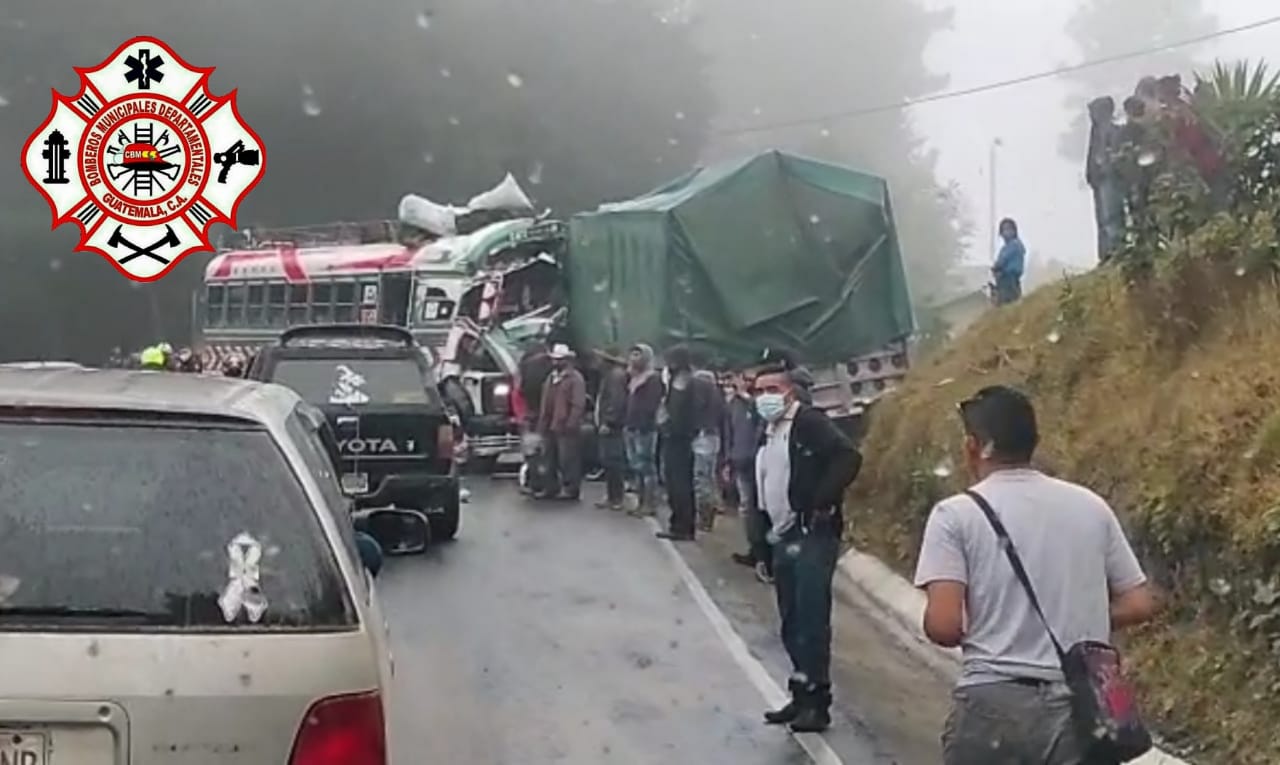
(1159, 388)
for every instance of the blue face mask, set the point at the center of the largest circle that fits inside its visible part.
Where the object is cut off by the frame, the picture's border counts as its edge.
(771, 406)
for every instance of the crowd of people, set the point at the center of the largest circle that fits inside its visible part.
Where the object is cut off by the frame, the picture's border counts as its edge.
(164, 357)
(710, 441)
(1161, 130)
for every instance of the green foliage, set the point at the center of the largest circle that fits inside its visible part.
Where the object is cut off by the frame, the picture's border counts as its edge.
(1239, 83)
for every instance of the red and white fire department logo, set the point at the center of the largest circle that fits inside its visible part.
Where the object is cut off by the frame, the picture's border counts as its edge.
(144, 159)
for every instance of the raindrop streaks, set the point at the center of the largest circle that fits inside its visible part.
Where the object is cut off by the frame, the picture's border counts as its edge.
(814, 219)
(515, 80)
(3, 101)
(942, 469)
(428, 158)
(310, 104)
(455, 121)
(424, 20)
(1054, 337)
(535, 174)
(446, 72)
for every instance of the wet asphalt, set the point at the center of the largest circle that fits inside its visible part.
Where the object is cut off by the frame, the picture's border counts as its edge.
(559, 633)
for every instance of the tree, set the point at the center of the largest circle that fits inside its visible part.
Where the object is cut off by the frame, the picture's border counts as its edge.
(784, 62)
(1103, 28)
(583, 100)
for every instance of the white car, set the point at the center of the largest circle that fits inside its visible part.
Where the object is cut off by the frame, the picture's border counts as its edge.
(179, 580)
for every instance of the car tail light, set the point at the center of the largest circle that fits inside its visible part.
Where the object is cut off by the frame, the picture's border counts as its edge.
(342, 730)
(444, 441)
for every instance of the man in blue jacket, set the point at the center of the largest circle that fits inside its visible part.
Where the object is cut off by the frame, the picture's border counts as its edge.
(1009, 265)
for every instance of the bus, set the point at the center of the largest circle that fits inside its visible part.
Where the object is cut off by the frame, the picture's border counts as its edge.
(368, 273)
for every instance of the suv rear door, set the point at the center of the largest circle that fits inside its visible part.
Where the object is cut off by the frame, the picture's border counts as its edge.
(382, 404)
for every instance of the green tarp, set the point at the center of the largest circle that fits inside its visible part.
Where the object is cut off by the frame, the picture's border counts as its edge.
(775, 251)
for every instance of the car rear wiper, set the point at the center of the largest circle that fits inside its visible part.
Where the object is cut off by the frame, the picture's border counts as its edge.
(75, 612)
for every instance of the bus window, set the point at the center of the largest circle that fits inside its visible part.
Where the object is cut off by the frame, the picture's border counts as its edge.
(344, 302)
(215, 309)
(236, 294)
(299, 302)
(322, 302)
(257, 314)
(276, 304)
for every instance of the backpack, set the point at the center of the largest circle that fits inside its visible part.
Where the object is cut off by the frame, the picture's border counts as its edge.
(1103, 702)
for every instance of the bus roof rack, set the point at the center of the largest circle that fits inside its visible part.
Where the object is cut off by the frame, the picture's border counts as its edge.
(347, 335)
(341, 234)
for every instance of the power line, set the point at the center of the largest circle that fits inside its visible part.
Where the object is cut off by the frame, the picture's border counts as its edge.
(947, 95)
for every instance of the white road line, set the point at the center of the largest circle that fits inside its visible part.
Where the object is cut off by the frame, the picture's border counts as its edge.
(813, 743)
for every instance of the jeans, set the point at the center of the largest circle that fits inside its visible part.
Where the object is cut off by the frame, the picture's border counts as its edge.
(613, 457)
(803, 566)
(641, 452)
(677, 464)
(1108, 213)
(706, 452)
(1011, 724)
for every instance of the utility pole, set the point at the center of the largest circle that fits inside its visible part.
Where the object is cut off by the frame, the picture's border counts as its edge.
(993, 213)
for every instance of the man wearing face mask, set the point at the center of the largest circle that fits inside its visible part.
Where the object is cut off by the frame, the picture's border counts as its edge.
(803, 467)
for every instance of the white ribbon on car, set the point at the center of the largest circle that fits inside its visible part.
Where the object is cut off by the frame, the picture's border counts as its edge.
(244, 580)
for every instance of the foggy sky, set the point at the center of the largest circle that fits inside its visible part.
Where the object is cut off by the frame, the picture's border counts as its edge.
(1001, 39)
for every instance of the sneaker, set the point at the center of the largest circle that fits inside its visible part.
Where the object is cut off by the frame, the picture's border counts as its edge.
(763, 573)
(744, 559)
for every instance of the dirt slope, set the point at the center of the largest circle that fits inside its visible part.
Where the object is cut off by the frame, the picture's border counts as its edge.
(1164, 396)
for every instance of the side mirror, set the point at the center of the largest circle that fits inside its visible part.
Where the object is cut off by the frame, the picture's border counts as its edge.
(396, 531)
(370, 552)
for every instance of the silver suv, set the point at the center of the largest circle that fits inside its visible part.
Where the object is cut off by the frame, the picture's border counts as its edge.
(179, 580)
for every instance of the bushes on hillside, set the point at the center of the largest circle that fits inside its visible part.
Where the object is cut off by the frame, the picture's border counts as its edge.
(1158, 385)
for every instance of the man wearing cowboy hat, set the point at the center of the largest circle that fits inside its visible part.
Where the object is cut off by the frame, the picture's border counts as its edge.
(560, 418)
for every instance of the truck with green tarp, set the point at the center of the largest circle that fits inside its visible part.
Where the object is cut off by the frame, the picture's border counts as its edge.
(775, 251)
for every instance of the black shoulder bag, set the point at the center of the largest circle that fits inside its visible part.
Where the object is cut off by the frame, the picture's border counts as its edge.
(1103, 701)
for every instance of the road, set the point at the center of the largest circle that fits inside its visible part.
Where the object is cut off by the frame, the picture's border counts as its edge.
(557, 633)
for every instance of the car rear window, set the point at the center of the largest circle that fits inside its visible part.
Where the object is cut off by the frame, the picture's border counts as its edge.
(355, 381)
(130, 525)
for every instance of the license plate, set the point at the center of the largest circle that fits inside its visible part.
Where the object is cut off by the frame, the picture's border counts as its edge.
(352, 483)
(23, 747)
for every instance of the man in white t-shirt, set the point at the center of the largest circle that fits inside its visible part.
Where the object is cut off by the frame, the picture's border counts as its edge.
(1011, 705)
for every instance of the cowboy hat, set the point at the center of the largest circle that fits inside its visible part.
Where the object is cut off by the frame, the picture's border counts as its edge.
(562, 351)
